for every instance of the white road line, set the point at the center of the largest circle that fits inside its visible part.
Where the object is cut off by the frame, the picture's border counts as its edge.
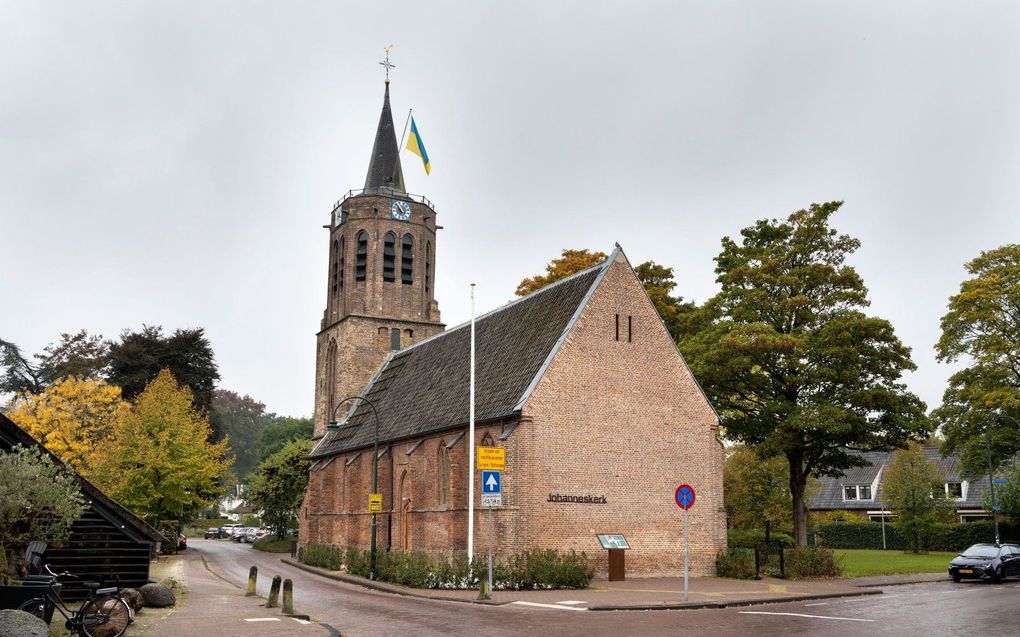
(536, 604)
(262, 619)
(818, 604)
(571, 601)
(845, 619)
(304, 622)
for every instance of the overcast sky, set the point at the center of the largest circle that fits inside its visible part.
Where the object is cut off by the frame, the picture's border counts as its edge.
(173, 163)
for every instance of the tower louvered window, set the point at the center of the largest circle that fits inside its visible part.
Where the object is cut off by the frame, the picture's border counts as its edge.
(407, 260)
(389, 258)
(336, 268)
(361, 266)
(428, 268)
(341, 282)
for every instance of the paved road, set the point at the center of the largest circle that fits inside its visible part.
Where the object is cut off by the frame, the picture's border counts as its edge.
(939, 608)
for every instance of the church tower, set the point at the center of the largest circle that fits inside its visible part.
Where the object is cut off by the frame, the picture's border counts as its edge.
(380, 291)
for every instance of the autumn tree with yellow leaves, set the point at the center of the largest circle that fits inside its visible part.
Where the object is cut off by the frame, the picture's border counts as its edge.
(158, 462)
(73, 418)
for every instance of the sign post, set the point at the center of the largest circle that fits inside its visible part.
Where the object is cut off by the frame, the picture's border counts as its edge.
(685, 497)
(492, 495)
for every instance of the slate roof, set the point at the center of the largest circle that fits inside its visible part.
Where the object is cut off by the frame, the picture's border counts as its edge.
(384, 170)
(424, 389)
(830, 491)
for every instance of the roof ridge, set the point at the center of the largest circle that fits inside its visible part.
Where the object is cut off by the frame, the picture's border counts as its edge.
(601, 264)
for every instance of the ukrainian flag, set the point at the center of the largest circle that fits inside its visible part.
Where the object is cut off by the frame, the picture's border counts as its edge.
(416, 146)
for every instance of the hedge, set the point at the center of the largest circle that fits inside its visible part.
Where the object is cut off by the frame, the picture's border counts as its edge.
(946, 537)
(536, 568)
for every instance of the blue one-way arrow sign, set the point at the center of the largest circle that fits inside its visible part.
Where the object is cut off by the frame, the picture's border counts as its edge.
(491, 481)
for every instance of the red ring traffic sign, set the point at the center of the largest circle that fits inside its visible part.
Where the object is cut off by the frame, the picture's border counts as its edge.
(684, 496)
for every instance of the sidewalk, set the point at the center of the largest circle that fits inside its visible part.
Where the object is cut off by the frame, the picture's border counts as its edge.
(638, 594)
(214, 607)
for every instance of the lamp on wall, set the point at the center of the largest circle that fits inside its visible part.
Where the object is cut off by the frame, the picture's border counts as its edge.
(333, 425)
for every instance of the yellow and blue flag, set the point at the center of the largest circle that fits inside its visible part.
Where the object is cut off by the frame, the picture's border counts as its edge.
(416, 146)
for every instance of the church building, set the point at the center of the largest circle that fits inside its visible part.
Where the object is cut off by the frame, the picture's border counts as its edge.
(579, 382)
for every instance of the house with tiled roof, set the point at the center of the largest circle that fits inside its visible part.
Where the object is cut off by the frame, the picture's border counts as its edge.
(858, 489)
(579, 383)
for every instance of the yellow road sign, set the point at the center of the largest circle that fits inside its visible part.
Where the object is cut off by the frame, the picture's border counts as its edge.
(375, 503)
(491, 458)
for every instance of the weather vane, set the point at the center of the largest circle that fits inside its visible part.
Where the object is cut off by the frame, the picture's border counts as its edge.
(386, 63)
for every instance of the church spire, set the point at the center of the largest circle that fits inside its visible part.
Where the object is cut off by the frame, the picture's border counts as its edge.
(384, 169)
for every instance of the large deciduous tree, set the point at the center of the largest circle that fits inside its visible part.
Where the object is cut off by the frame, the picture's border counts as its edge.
(79, 354)
(569, 262)
(159, 463)
(913, 489)
(980, 409)
(790, 361)
(757, 490)
(241, 419)
(278, 485)
(73, 418)
(277, 431)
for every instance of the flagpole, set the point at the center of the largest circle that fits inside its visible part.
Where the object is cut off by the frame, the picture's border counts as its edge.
(404, 134)
(471, 439)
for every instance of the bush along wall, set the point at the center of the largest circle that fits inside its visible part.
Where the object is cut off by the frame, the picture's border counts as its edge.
(946, 537)
(533, 569)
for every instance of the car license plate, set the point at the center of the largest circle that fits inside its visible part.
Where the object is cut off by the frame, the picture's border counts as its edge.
(966, 570)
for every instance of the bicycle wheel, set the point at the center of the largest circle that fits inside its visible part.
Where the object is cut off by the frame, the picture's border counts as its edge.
(104, 616)
(36, 606)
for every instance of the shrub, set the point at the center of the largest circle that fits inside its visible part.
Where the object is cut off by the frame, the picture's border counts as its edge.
(944, 537)
(358, 561)
(812, 562)
(737, 563)
(272, 544)
(322, 555)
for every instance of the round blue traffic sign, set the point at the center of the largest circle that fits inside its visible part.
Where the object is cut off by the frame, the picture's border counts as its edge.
(684, 496)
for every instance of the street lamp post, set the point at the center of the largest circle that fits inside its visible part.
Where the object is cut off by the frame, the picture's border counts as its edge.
(334, 425)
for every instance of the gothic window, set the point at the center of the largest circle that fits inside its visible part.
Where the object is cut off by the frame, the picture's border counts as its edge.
(389, 258)
(444, 473)
(361, 265)
(407, 260)
(335, 269)
(342, 255)
(330, 380)
(428, 267)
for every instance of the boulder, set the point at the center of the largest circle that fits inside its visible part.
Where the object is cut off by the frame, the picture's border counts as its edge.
(157, 596)
(16, 623)
(132, 597)
(172, 584)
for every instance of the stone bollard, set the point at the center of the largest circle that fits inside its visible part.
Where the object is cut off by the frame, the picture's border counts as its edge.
(253, 575)
(288, 597)
(483, 589)
(274, 593)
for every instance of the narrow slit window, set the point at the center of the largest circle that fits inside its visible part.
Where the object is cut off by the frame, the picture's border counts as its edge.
(342, 255)
(335, 273)
(630, 332)
(389, 258)
(361, 266)
(428, 268)
(617, 327)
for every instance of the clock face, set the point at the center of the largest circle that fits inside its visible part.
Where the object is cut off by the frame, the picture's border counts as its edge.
(401, 210)
(338, 217)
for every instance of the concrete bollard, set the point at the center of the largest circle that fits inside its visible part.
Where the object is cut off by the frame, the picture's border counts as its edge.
(253, 575)
(288, 597)
(274, 593)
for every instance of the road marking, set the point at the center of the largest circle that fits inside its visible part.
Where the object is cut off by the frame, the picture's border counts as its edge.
(262, 619)
(571, 602)
(845, 619)
(536, 604)
(818, 604)
(304, 622)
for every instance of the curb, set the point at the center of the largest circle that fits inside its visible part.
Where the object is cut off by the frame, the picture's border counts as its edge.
(388, 588)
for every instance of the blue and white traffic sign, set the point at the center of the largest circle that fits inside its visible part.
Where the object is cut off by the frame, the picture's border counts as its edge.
(491, 481)
(492, 488)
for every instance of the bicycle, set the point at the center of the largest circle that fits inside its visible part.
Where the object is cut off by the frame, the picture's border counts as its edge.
(102, 614)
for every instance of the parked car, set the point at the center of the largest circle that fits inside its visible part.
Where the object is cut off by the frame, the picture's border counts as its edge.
(993, 562)
(212, 533)
(182, 541)
(239, 534)
(227, 530)
(254, 534)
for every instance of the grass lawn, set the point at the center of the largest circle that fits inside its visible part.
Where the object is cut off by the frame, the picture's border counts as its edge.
(271, 544)
(861, 562)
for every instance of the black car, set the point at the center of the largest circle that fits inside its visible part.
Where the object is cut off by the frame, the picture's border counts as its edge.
(212, 533)
(994, 562)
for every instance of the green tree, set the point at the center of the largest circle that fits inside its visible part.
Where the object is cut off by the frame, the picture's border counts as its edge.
(20, 375)
(278, 485)
(913, 490)
(74, 355)
(39, 500)
(277, 431)
(757, 490)
(570, 262)
(241, 419)
(1008, 495)
(159, 462)
(136, 359)
(789, 360)
(981, 405)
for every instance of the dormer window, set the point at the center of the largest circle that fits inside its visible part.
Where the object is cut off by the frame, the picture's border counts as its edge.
(954, 490)
(853, 492)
